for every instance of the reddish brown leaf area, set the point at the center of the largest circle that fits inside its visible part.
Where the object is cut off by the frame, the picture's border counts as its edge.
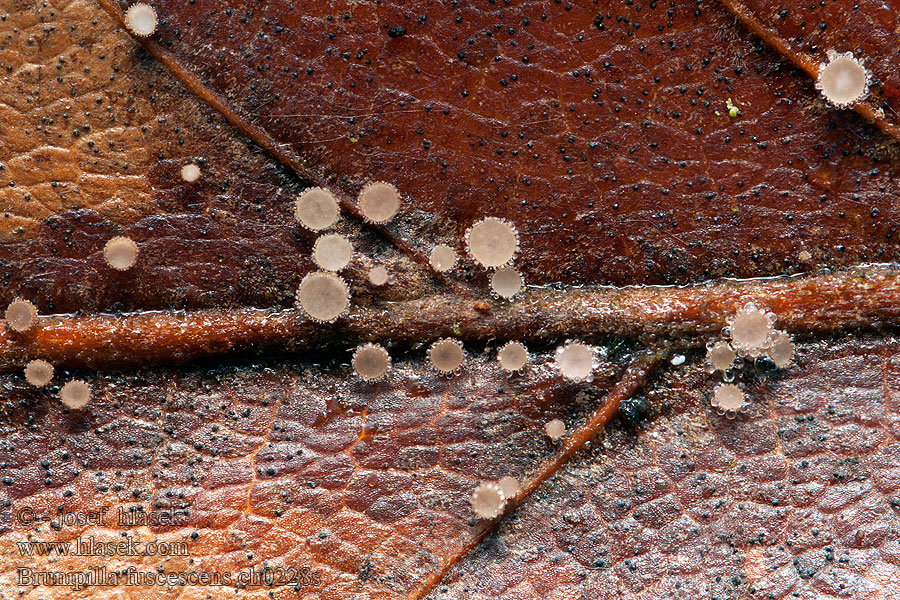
(805, 32)
(608, 142)
(368, 485)
(94, 137)
(795, 499)
(603, 131)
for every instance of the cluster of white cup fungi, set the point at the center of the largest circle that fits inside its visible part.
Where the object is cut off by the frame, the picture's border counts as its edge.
(750, 334)
(21, 318)
(489, 498)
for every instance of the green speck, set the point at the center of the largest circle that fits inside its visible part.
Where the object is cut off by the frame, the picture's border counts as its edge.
(456, 329)
(733, 110)
(353, 140)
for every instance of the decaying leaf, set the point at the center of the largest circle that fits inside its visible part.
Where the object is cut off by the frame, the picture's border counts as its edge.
(623, 144)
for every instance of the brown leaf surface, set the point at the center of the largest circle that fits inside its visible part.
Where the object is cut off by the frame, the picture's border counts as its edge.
(94, 136)
(612, 150)
(588, 139)
(368, 485)
(796, 499)
(804, 33)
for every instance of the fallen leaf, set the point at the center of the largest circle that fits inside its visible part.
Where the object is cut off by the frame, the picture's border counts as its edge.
(629, 145)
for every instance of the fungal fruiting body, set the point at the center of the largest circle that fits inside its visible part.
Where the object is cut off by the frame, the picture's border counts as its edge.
(316, 209)
(378, 275)
(509, 486)
(492, 242)
(141, 19)
(371, 362)
(323, 296)
(379, 201)
(488, 500)
(750, 330)
(720, 355)
(38, 372)
(513, 356)
(555, 429)
(120, 253)
(190, 173)
(21, 315)
(728, 399)
(843, 80)
(332, 252)
(575, 361)
(443, 258)
(75, 394)
(781, 350)
(506, 282)
(446, 355)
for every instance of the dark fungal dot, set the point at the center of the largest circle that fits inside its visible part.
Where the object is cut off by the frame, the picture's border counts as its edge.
(396, 31)
(632, 411)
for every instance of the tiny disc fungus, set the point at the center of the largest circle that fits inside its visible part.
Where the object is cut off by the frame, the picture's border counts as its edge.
(141, 19)
(492, 242)
(446, 355)
(323, 296)
(488, 500)
(750, 329)
(513, 356)
(379, 202)
(506, 282)
(555, 429)
(378, 275)
(728, 398)
(371, 362)
(316, 209)
(190, 172)
(443, 258)
(38, 372)
(843, 80)
(720, 355)
(332, 252)
(21, 315)
(75, 394)
(121, 253)
(782, 349)
(575, 361)
(509, 486)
